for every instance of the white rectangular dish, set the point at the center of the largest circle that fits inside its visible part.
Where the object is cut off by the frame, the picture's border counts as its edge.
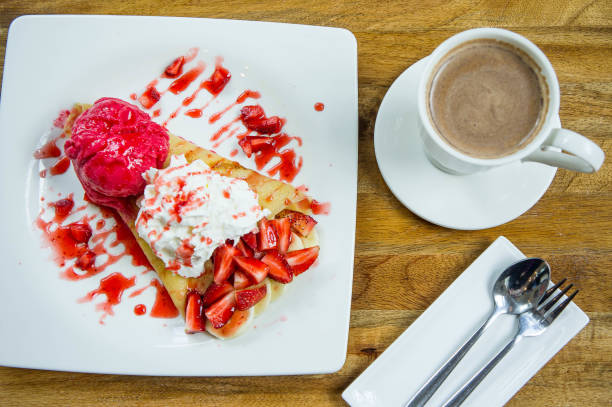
(54, 61)
(461, 309)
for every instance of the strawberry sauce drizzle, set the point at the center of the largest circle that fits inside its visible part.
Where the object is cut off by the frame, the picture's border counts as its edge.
(112, 286)
(223, 129)
(140, 309)
(186, 79)
(240, 99)
(163, 307)
(83, 256)
(280, 159)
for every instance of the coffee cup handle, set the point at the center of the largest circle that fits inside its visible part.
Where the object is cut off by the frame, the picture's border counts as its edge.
(567, 149)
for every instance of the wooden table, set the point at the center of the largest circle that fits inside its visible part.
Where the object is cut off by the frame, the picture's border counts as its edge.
(403, 263)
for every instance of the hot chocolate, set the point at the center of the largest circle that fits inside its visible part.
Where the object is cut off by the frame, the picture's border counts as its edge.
(487, 99)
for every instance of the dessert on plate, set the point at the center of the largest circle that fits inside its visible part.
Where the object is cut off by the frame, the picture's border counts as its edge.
(224, 240)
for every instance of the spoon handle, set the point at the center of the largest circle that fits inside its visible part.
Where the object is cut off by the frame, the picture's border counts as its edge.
(435, 381)
(459, 397)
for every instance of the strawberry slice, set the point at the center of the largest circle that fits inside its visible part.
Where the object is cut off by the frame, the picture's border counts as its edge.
(81, 232)
(63, 207)
(267, 235)
(194, 319)
(216, 291)
(250, 239)
(245, 299)
(279, 268)
(244, 249)
(149, 97)
(175, 68)
(217, 80)
(300, 222)
(246, 146)
(252, 144)
(269, 125)
(241, 280)
(86, 260)
(222, 260)
(255, 269)
(282, 227)
(251, 113)
(301, 260)
(221, 311)
(254, 118)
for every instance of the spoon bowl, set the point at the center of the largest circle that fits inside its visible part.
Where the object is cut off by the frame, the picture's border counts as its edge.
(521, 286)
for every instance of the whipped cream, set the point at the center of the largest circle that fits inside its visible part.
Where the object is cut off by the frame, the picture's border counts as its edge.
(188, 210)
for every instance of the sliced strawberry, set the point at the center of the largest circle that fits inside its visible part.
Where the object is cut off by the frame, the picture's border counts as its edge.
(244, 249)
(149, 97)
(250, 239)
(301, 260)
(194, 318)
(282, 227)
(245, 299)
(279, 268)
(81, 232)
(254, 118)
(255, 269)
(269, 125)
(217, 80)
(86, 260)
(221, 311)
(251, 113)
(216, 291)
(267, 235)
(246, 146)
(175, 68)
(300, 222)
(63, 207)
(241, 280)
(222, 260)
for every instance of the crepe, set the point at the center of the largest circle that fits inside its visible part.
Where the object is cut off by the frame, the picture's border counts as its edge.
(273, 195)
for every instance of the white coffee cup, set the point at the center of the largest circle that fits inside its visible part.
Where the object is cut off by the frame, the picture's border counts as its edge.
(552, 145)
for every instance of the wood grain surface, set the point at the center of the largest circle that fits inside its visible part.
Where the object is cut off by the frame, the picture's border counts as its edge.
(403, 263)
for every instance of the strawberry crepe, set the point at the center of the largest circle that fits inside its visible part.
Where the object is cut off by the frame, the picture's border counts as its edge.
(112, 144)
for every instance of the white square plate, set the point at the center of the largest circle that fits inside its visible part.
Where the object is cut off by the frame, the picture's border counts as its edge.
(55, 61)
(461, 309)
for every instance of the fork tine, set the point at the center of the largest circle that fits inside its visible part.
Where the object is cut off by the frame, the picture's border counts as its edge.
(555, 313)
(551, 290)
(544, 308)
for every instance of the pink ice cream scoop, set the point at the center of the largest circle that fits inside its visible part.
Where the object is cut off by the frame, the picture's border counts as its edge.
(112, 144)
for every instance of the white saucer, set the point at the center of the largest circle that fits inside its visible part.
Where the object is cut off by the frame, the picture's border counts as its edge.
(467, 202)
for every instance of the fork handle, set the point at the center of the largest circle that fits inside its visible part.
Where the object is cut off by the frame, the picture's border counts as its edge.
(459, 397)
(435, 381)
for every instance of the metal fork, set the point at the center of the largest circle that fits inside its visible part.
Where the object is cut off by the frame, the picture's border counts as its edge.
(531, 323)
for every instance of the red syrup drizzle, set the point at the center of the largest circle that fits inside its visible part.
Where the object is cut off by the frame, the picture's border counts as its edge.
(112, 286)
(163, 307)
(240, 99)
(319, 107)
(140, 309)
(289, 163)
(80, 260)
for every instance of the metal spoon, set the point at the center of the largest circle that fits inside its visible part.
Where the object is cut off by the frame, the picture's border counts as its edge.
(517, 290)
